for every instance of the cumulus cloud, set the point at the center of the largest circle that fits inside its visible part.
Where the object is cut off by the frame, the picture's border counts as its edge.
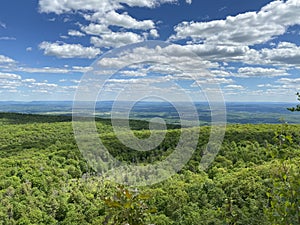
(176, 67)
(53, 70)
(222, 73)
(126, 21)
(43, 70)
(95, 29)
(44, 85)
(188, 1)
(266, 85)
(179, 58)
(234, 87)
(7, 84)
(59, 7)
(291, 84)
(63, 50)
(248, 28)
(134, 73)
(81, 69)
(9, 81)
(75, 33)
(102, 15)
(289, 81)
(154, 33)
(9, 76)
(116, 39)
(214, 80)
(5, 59)
(261, 72)
(29, 81)
(284, 54)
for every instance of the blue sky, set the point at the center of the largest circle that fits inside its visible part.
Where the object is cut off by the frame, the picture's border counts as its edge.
(251, 48)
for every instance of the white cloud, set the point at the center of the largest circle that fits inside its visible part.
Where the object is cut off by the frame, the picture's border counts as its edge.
(214, 80)
(261, 72)
(54, 70)
(291, 84)
(289, 81)
(3, 25)
(59, 7)
(188, 1)
(62, 50)
(75, 81)
(221, 73)
(249, 28)
(234, 87)
(81, 69)
(181, 59)
(9, 76)
(29, 81)
(67, 89)
(45, 85)
(103, 6)
(154, 33)
(9, 84)
(102, 15)
(43, 70)
(146, 3)
(126, 21)
(108, 38)
(5, 59)
(64, 37)
(265, 85)
(9, 81)
(286, 54)
(7, 39)
(95, 29)
(29, 49)
(116, 39)
(218, 53)
(134, 73)
(75, 33)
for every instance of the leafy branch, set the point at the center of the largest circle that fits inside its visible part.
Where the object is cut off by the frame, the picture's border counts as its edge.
(297, 108)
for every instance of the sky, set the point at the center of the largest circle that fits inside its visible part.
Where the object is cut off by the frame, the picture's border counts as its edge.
(250, 48)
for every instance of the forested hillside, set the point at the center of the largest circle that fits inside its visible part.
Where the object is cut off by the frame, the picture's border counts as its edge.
(44, 179)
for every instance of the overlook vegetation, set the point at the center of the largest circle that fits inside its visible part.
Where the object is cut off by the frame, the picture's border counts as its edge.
(44, 179)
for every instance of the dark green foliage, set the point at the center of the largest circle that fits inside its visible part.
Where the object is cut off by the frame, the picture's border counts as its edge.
(297, 108)
(127, 207)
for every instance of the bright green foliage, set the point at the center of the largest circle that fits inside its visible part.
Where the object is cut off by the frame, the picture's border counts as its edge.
(45, 180)
(285, 194)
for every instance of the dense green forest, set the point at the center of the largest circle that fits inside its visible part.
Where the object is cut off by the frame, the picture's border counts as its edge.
(44, 179)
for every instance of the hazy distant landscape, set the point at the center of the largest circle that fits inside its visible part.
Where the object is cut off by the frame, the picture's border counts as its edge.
(237, 112)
